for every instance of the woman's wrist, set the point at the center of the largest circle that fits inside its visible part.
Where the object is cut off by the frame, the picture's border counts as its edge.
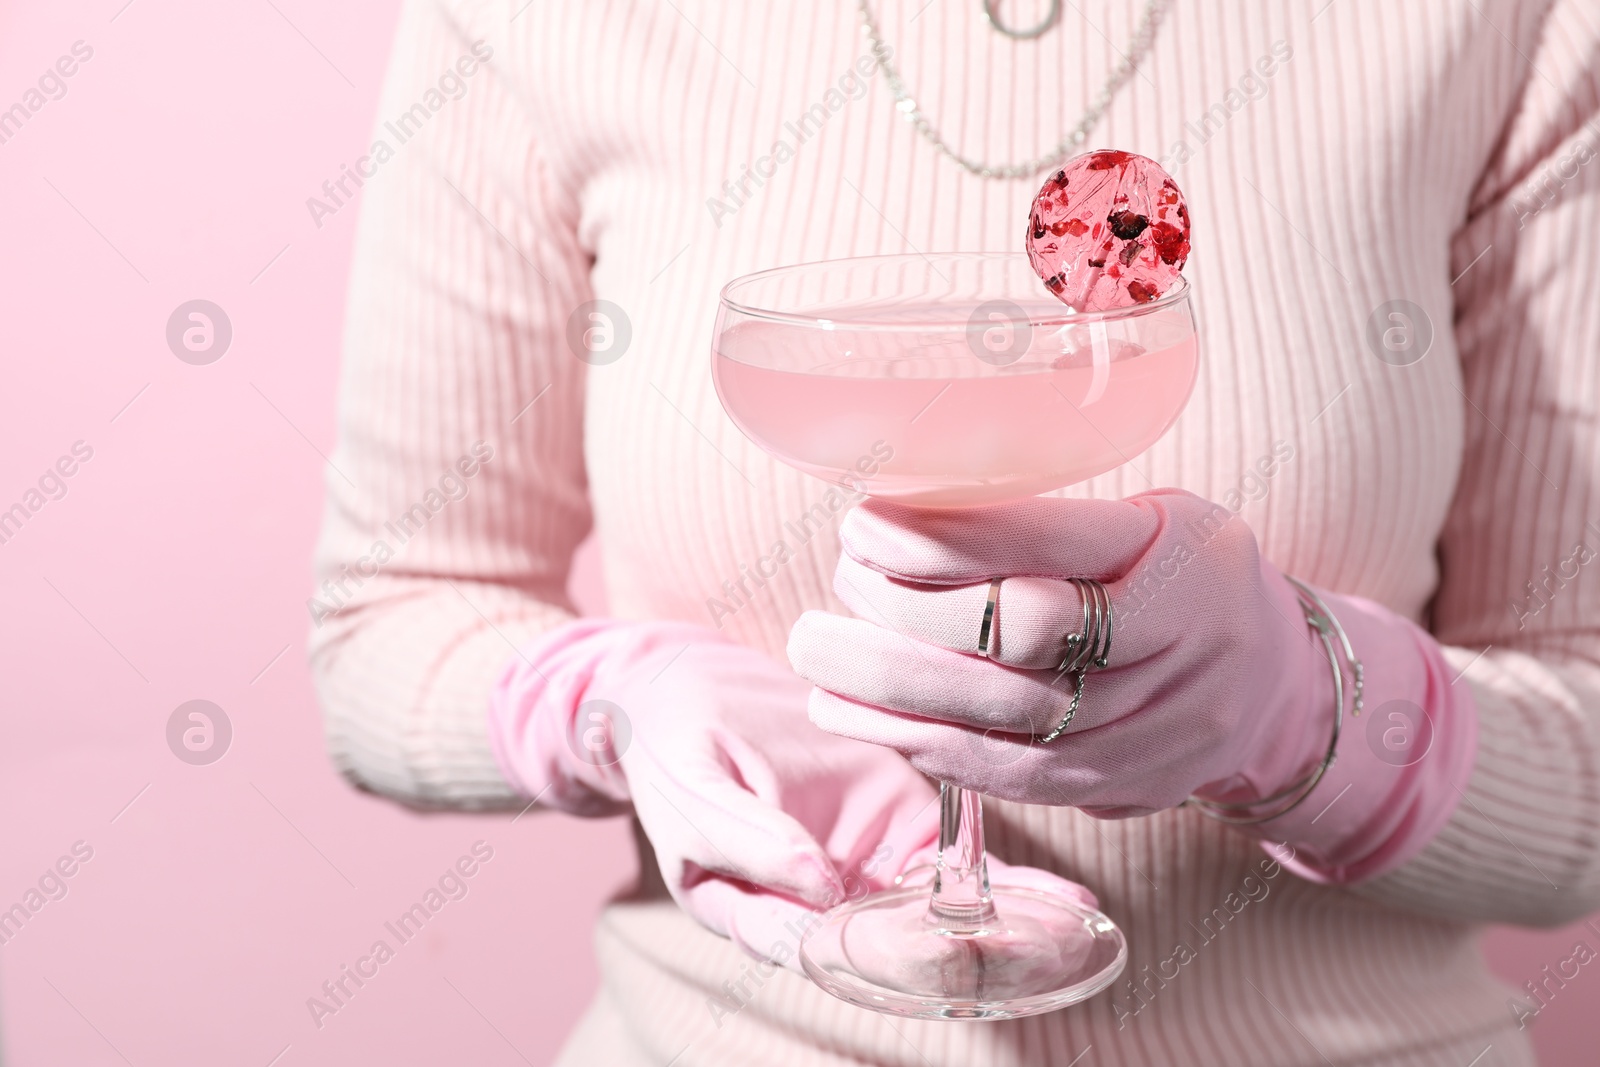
(1396, 768)
(1300, 705)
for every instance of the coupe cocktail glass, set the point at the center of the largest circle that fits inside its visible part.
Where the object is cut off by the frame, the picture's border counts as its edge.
(981, 387)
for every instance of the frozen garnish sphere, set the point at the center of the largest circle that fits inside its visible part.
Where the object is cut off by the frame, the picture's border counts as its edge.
(1108, 230)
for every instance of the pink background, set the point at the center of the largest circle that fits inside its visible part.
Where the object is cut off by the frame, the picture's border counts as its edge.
(220, 897)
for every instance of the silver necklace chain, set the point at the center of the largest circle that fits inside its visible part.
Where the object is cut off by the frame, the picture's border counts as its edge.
(1143, 37)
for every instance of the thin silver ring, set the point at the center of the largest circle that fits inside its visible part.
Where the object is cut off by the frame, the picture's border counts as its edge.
(986, 631)
(1022, 35)
(1102, 657)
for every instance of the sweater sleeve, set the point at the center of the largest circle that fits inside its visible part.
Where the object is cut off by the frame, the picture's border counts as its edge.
(456, 494)
(1519, 602)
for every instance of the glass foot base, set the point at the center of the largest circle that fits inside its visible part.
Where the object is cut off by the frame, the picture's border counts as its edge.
(888, 953)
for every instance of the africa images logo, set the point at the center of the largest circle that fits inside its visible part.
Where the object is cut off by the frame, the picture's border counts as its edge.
(451, 86)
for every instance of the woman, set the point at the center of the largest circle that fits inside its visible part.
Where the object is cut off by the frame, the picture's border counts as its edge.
(1396, 268)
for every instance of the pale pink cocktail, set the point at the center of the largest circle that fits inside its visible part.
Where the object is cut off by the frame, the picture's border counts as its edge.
(981, 397)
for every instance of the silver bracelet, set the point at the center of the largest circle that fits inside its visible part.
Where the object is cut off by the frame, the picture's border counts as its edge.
(1321, 619)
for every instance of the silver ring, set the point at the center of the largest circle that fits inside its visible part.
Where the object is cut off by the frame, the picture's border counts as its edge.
(1022, 35)
(986, 631)
(1088, 650)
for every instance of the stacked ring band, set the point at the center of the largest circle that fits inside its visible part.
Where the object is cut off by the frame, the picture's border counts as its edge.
(1087, 650)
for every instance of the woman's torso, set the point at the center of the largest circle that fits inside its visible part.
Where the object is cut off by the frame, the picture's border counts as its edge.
(1327, 164)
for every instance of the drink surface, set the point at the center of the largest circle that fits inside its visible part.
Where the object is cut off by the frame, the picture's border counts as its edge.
(964, 416)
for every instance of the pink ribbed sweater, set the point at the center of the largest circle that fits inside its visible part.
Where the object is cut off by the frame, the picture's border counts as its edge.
(1336, 155)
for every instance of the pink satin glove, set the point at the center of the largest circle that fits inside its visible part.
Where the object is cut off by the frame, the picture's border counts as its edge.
(757, 817)
(1215, 684)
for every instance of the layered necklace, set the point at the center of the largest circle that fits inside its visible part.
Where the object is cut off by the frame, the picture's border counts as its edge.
(1143, 37)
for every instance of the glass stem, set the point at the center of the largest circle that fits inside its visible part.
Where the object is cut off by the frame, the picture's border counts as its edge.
(961, 900)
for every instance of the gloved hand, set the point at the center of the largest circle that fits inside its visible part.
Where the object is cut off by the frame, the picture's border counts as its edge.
(757, 817)
(1215, 684)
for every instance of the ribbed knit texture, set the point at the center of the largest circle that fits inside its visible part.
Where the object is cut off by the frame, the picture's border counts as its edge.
(1436, 151)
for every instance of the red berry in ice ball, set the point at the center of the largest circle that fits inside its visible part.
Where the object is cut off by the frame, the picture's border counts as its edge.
(1109, 229)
